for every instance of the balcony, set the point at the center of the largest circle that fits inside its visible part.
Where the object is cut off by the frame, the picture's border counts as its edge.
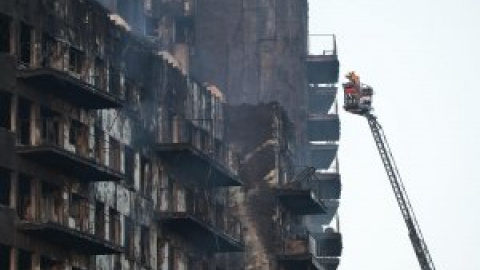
(323, 127)
(322, 155)
(195, 154)
(301, 195)
(322, 61)
(72, 229)
(329, 187)
(52, 143)
(7, 144)
(305, 250)
(70, 87)
(328, 244)
(329, 183)
(207, 224)
(321, 98)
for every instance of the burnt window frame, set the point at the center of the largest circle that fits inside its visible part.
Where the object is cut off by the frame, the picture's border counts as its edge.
(100, 220)
(129, 165)
(129, 236)
(24, 120)
(25, 56)
(114, 153)
(114, 225)
(6, 110)
(25, 203)
(76, 60)
(145, 249)
(5, 178)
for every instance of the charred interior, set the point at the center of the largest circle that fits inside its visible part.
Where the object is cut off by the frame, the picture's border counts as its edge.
(166, 134)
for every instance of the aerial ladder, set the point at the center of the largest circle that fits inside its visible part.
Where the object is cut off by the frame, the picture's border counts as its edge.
(358, 100)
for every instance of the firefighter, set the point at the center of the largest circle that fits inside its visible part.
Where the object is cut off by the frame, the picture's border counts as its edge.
(352, 90)
(354, 79)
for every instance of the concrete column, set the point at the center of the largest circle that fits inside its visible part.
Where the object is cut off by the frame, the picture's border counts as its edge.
(35, 198)
(34, 119)
(13, 113)
(13, 37)
(35, 261)
(35, 47)
(13, 259)
(13, 189)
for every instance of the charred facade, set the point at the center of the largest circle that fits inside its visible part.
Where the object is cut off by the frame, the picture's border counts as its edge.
(132, 138)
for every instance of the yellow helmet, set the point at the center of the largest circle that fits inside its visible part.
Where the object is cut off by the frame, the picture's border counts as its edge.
(351, 74)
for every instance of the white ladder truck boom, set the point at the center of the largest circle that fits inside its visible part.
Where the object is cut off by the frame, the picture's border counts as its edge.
(358, 100)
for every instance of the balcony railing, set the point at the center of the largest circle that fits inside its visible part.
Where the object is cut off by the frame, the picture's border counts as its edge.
(322, 44)
(324, 127)
(303, 247)
(73, 82)
(322, 63)
(206, 222)
(323, 155)
(190, 143)
(72, 149)
(75, 228)
(302, 195)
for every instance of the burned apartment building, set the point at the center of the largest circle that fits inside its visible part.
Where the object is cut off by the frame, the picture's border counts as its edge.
(288, 212)
(166, 134)
(112, 157)
(280, 83)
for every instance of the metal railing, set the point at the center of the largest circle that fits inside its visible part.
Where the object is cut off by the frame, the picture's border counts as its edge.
(198, 133)
(322, 44)
(210, 212)
(334, 167)
(306, 179)
(83, 217)
(74, 137)
(305, 242)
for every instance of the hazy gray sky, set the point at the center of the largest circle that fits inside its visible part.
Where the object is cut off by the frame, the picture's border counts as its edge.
(423, 60)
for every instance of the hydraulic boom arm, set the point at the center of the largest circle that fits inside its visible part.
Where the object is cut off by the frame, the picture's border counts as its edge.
(419, 245)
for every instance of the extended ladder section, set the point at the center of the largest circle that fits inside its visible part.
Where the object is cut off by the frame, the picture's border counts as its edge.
(415, 234)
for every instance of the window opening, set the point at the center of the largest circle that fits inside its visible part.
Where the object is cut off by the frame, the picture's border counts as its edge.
(114, 154)
(25, 44)
(183, 30)
(24, 207)
(129, 238)
(99, 145)
(114, 223)
(23, 116)
(52, 203)
(98, 73)
(145, 175)
(4, 257)
(24, 260)
(76, 60)
(5, 106)
(5, 36)
(79, 211)
(48, 51)
(145, 245)
(49, 126)
(5, 184)
(114, 84)
(100, 219)
(130, 166)
(78, 137)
